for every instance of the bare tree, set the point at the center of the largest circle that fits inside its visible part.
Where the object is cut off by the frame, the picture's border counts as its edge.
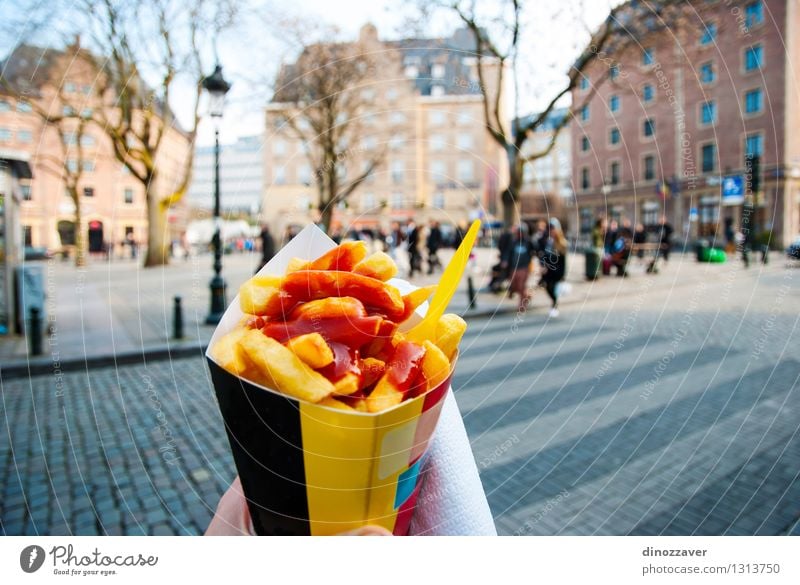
(143, 49)
(498, 45)
(325, 110)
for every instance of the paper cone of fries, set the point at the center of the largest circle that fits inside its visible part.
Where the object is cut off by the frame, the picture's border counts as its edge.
(328, 411)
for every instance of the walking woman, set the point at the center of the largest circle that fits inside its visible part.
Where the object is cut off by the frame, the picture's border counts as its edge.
(517, 261)
(554, 263)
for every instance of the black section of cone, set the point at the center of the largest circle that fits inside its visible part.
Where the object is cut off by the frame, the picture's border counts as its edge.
(266, 440)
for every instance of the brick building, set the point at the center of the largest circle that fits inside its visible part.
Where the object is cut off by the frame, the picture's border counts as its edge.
(426, 111)
(669, 131)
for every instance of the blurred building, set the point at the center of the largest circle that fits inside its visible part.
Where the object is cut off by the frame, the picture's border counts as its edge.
(547, 180)
(241, 176)
(669, 131)
(426, 110)
(112, 200)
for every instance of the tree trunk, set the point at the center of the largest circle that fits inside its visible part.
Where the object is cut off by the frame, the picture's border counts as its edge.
(80, 248)
(157, 233)
(510, 195)
(326, 217)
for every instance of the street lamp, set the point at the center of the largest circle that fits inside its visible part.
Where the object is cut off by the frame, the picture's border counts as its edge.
(217, 87)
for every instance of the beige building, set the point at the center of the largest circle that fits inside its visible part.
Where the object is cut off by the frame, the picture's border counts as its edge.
(425, 111)
(112, 200)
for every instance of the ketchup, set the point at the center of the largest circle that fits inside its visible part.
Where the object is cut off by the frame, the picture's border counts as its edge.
(344, 360)
(404, 368)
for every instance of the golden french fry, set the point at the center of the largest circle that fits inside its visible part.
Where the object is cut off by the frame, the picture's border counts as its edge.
(435, 365)
(227, 353)
(312, 349)
(283, 370)
(347, 384)
(414, 299)
(449, 331)
(337, 404)
(296, 264)
(360, 405)
(385, 395)
(260, 295)
(342, 257)
(378, 265)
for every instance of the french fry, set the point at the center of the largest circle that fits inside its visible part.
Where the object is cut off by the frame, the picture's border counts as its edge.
(347, 384)
(283, 369)
(343, 257)
(371, 371)
(378, 265)
(296, 264)
(384, 396)
(329, 308)
(227, 352)
(331, 402)
(261, 295)
(312, 349)
(309, 285)
(435, 365)
(449, 331)
(414, 299)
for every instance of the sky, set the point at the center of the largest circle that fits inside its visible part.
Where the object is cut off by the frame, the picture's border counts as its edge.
(553, 34)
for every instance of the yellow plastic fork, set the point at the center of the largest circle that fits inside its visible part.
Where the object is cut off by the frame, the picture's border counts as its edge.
(426, 329)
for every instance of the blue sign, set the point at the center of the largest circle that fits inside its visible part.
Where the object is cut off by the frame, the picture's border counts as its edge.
(733, 190)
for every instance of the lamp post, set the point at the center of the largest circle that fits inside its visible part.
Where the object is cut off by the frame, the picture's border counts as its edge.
(217, 87)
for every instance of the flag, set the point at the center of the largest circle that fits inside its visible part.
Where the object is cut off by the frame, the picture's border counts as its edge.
(662, 190)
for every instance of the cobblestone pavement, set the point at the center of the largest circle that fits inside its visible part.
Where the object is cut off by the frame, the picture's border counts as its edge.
(668, 407)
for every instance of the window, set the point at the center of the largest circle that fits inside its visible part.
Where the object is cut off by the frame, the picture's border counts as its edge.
(465, 118)
(708, 154)
(367, 95)
(304, 174)
(368, 201)
(437, 142)
(24, 136)
(24, 107)
(585, 144)
(465, 170)
(27, 235)
(412, 71)
(614, 172)
(436, 117)
(279, 148)
(398, 201)
(585, 113)
(438, 171)
(88, 166)
(26, 192)
(280, 176)
(438, 200)
(437, 71)
(753, 101)
(709, 34)
(649, 164)
(69, 87)
(647, 57)
(584, 84)
(754, 145)
(648, 93)
(369, 143)
(5, 106)
(585, 183)
(391, 94)
(613, 72)
(465, 141)
(437, 91)
(72, 165)
(708, 112)
(614, 136)
(397, 171)
(707, 73)
(87, 140)
(396, 142)
(5, 134)
(88, 191)
(613, 104)
(70, 138)
(128, 196)
(68, 111)
(754, 14)
(397, 118)
(649, 127)
(753, 58)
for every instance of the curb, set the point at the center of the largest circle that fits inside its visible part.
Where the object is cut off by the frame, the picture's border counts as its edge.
(39, 366)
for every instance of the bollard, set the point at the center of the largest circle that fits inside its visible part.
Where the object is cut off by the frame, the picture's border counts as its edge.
(471, 295)
(35, 332)
(177, 320)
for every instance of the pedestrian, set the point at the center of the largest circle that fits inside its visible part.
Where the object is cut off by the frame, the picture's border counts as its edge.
(665, 238)
(517, 262)
(554, 263)
(612, 233)
(412, 245)
(500, 270)
(267, 245)
(433, 243)
(639, 237)
(621, 248)
(599, 234)
(461, 231)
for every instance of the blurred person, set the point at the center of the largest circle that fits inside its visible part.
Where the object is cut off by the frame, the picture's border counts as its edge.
(433, 242)
(500, 270)
(267, 245)
(554, 262)
(460, 232)
(599, 233)
(665, 238)
(639, 237)
(517, 262)
(412, 245)
(621, 248)
(612, 233)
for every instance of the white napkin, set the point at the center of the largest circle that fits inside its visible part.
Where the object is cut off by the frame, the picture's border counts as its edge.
(452, 501)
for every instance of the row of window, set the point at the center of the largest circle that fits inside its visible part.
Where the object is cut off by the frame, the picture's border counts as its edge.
(27, 195)
(465, 172)
(709, 162)
(25, 136)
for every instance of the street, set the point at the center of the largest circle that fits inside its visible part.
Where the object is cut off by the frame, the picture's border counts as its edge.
(656, 404)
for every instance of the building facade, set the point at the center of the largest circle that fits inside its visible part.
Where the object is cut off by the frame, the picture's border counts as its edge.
(669, 131)
(112, 200)
(425, 110)
(241, 176)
